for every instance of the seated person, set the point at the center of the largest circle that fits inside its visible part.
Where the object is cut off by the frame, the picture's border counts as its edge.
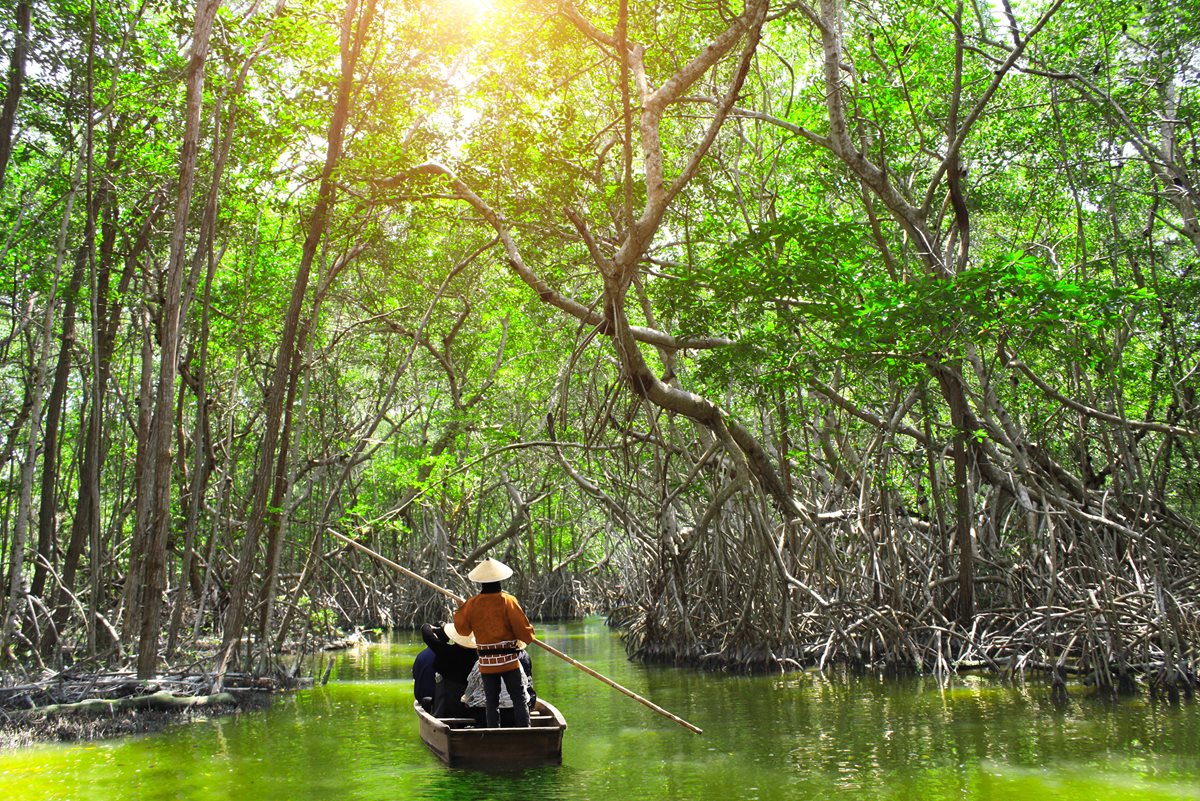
(454, 656)
(424, 681)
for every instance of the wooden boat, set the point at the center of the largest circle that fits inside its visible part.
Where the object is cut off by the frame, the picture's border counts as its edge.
(460, 743)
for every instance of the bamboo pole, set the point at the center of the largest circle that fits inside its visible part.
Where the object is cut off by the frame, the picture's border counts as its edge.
(551, 649)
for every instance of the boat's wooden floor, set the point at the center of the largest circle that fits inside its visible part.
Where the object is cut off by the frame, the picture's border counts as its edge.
(535, 719)
(461, 742)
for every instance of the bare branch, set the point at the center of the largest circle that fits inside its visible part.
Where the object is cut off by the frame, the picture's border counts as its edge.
(1142, 425)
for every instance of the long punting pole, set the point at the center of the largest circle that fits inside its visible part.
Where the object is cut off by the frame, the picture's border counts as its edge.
(459, 599)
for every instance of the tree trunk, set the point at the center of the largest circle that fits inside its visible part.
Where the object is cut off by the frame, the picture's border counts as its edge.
(950, 378)
(16, 575)
(202, 466)
(154, 566)
(48, 504)
(142, 472)
(85, 527)
(16, 82)
(353, 36)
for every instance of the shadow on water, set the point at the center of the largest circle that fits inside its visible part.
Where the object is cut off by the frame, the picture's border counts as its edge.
(461, 785)
(796, 736)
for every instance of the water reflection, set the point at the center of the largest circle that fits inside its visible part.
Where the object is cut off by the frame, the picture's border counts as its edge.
(766, 737)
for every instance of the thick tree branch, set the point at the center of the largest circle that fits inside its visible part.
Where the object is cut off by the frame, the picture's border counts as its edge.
(654, 105)
(908, 215)
(544, 291)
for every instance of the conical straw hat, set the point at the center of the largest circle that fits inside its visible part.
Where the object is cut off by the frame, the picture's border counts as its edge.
(490, 570)
(458, 639)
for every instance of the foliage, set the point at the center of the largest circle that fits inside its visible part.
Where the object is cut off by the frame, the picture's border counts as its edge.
(1027, 305)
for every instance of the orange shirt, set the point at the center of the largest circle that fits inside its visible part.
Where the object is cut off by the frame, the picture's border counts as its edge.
(495, 618)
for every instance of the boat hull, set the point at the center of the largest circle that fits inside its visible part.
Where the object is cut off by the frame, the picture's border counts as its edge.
(459, 743)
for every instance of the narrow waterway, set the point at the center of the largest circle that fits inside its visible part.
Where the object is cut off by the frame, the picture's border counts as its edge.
(770, 737)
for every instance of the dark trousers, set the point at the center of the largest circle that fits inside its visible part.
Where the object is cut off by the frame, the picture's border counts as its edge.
(514, 682)
(447, 700)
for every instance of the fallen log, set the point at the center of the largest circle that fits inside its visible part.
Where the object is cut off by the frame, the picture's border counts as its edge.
(163, 700)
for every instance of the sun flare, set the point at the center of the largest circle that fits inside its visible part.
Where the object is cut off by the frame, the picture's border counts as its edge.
(474, 8)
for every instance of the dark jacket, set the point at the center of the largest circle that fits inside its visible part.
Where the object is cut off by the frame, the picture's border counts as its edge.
(452, 661)
(423, 679)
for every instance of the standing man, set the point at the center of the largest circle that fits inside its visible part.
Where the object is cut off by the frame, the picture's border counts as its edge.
(501, 631)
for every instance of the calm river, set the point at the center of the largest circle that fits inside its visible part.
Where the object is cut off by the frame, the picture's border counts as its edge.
(795, 737)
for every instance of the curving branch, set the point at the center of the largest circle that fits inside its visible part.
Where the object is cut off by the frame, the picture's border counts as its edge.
(750, 458)
(960, 136)
(535, 282)
(791, 127)
(586, 26)
(654, 105)
(842, 146)
(1140, 425)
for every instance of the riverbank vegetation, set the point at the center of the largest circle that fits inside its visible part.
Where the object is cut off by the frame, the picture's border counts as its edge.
(110, 704)
(784, 334)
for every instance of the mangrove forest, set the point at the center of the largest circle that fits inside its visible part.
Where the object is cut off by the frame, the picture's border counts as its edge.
(783, 335)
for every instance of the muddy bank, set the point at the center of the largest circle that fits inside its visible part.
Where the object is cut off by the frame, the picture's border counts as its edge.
(69, 708)
(73, 705)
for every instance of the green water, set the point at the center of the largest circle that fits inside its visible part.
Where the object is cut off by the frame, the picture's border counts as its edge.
(782, 737)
